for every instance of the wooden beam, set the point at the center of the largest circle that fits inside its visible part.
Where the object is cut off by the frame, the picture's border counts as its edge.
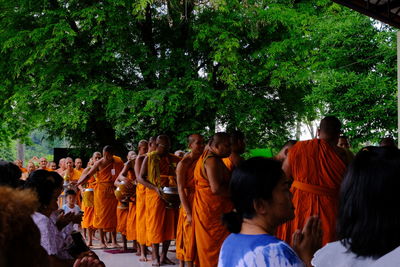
(360, 6)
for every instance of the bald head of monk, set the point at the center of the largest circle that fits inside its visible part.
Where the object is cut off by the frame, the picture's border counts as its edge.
(78, 163)
(163, 144)
(108, 152)
(196, 144)
(43, 163)
(152, 144)
(238, 143)
(131, 155)
(329, 129)
(96, 156)
(69, 163)
(220, 144)
(61, 163)
(143, 146)
(282, 155)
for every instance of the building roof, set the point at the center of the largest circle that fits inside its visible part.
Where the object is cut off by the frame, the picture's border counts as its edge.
(387, 11)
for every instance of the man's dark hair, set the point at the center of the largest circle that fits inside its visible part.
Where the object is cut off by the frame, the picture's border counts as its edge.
(368, 222)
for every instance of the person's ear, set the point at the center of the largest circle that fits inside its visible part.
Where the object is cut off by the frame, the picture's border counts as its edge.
(286, 151)
(260, 206)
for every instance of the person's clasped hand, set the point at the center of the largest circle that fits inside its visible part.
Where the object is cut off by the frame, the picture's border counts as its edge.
(309, 240)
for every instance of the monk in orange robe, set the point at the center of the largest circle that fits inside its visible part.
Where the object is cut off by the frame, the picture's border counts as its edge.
(144, 148)
(126, 210)
(43, 165)
(185, 243)
(61, 165)
(105, 203)
(30, 168)
(157, 172)
(88, 200)
(317, 167)
(18, 162)
(238, 146)
(78, 165)
(72, 176)
(211, 199)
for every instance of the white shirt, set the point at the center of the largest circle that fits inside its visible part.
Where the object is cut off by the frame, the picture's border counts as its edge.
(50, 238)
(336, 255)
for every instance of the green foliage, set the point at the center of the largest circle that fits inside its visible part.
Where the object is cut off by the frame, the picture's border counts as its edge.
(112, 72)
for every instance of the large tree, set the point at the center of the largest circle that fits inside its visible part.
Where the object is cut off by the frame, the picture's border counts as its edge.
(111, 72)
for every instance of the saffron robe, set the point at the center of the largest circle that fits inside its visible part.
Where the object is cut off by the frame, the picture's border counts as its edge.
(131, 218)
(160, 221)
(88, 203)
(122, 216)
(185, 243)
(141, 236)
(208, 209)
(317, 171)
(105, 203)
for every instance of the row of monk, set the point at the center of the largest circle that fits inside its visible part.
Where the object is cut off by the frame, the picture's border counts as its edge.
(313, 171)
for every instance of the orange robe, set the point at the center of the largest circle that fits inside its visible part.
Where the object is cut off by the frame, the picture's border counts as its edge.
(74, 177)
(208, 208)
(23, 170)
(228, 163)
(88, 203)
(160, 221)
(131, 218)
(141, 236)
(185, 243)
(317, 171)
(105, 203)
(122, 216)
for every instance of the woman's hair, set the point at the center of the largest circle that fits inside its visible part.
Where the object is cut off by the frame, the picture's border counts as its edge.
(9, 174)
(44, 183)
(369, 217)
(19, 236)
(252, 180)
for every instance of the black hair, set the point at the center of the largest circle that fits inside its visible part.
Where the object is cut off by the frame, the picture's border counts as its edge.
(368, 223)
(70, 192)
(253, 179)
(44, 183)
(9, 174)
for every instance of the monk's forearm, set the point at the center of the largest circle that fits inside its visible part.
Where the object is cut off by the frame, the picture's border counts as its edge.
(83, 180)
(146, 183)
(184, 201)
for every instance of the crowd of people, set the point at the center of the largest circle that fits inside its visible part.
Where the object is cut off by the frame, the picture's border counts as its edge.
(313, 204)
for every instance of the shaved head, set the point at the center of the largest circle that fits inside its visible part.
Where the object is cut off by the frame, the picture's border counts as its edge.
(143, 143)
(219, 138)
(330, 125)
(193, 137)
(109, 149)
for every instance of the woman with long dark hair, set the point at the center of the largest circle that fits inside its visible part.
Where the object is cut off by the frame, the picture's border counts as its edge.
(369, 220)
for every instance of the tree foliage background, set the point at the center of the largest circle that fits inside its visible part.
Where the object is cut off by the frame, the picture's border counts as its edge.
(117, 71)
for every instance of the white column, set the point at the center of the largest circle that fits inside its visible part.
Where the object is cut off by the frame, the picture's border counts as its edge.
(398, 89)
